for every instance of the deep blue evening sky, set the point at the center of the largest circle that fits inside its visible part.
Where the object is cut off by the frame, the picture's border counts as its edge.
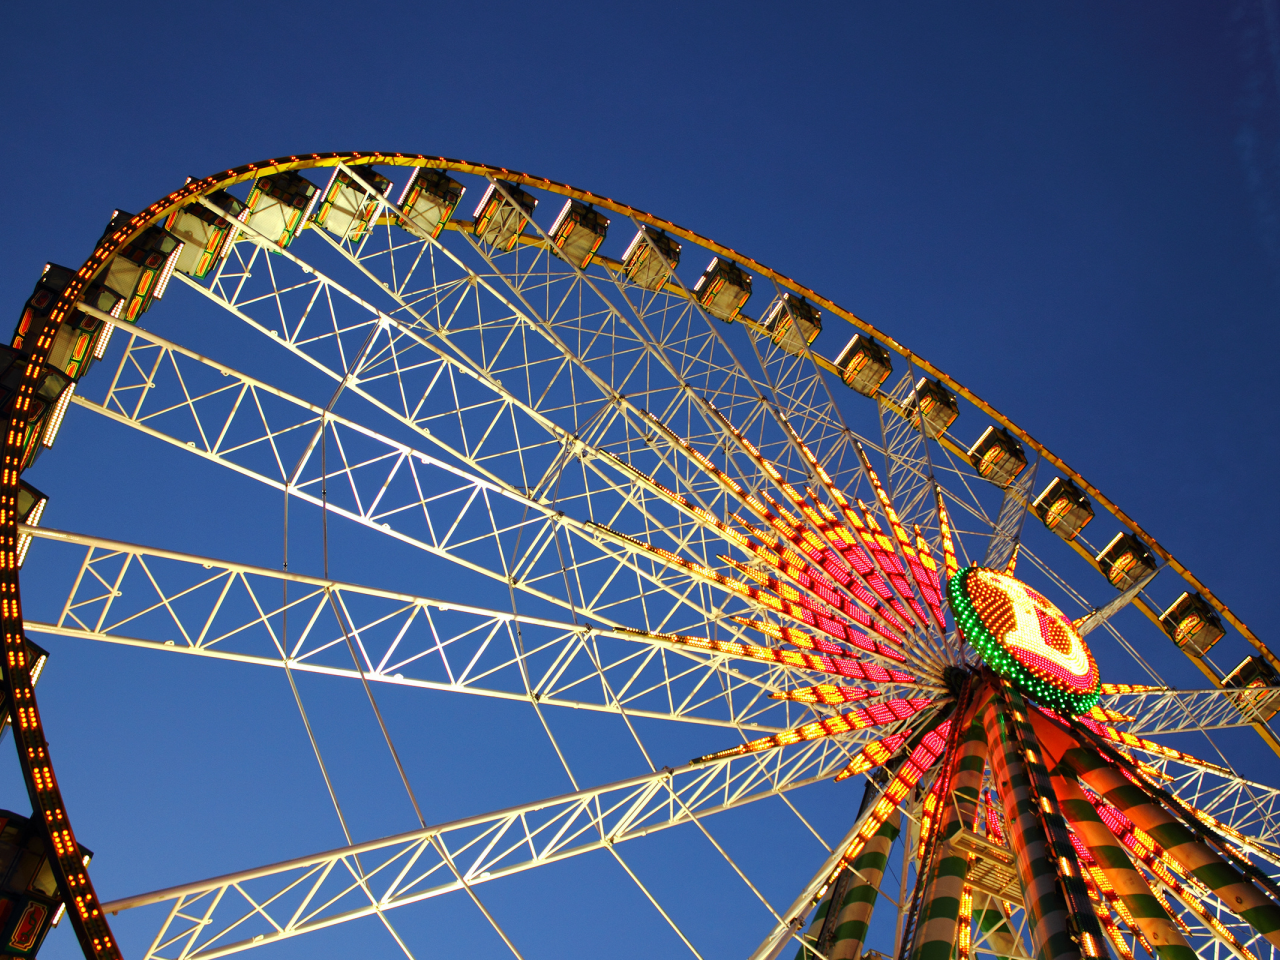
(1074, 209)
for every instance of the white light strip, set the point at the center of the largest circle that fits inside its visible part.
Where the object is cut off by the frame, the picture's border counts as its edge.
(38, 669)
(408, 185)
(167, 272)
(33, 520)
(233, 233)
(315, 198)
(55, 418)
(104, 338)
(62, 908)
(24, 544)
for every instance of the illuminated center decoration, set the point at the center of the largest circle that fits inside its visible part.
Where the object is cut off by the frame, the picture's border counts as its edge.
(1025, 638)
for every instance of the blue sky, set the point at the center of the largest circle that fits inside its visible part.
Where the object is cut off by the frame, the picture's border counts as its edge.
(1073, 209)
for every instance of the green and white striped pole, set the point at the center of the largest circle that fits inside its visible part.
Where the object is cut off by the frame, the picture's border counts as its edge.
(1047, 911)
(1196, 857)
(936, 933)
(1151, 919)
(843, 936)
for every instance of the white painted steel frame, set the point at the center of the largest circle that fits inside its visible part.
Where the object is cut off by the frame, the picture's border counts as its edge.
(467, 493)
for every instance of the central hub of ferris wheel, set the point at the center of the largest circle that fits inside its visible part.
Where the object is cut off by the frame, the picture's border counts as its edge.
(1025, 638)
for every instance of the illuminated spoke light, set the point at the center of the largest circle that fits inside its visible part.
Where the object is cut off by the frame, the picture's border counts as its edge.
(873, 755)
(964, 923)
(919, 574)
(811, 567)
(1105, 902)
(1189, 891)
(929, 814)
(931, 567)
(918, 762)
(875, 715)
(813, 614)
(1107, 715)
(1141, 845)
(944, 528)
(797, 530)
(1012, 565)
(839, 666)
(797, 638)
(827, 693)
(880, 547)
(994, 830)
(1111, 689)
(1138, 743)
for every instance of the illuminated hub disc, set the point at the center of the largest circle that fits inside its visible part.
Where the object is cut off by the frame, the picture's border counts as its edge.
(1024, 638)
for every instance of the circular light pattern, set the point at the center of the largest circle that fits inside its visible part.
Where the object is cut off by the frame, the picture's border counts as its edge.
(1025, 638)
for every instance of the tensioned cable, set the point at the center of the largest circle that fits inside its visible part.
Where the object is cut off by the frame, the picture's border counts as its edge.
(564, 762)
(364, 680)
(677, 798)
(283, 647)
(643, 750)
(373, 702)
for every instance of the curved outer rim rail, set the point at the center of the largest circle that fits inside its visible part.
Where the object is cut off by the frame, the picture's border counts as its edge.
(91, 927)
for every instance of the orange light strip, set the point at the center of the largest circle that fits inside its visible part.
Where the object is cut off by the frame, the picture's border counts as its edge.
(944, 530)
(828, 693)
(797, 638)
(1114, 688)
(1210, 820)
(1108, 898)
(839, 666)
(1107, 715)
(994, 830)
(1012, 565)
(875, 715)
(929, 814)
(1103, 911)
(873, 755)
(1138, 842)
(924, 756)
(964, 922)
(932, 596)
(1150, 746)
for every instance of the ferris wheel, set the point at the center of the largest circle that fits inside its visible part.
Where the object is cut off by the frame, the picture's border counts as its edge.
(534, 446)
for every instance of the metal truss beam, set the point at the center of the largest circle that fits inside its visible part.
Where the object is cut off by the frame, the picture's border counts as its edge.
(174, 602)
(261, 432)
(264, 905)
(1186, 711)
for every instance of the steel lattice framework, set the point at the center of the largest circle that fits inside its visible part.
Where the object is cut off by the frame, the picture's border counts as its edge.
(585, 450)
